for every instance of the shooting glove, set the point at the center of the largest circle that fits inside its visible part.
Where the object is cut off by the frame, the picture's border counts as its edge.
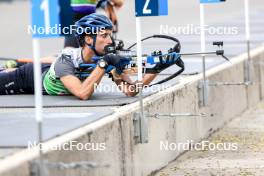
(116, 61)
(112, 59)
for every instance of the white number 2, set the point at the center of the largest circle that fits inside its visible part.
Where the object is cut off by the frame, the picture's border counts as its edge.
(145, 9)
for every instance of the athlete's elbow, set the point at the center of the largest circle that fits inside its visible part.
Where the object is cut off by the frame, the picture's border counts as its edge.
(130, 94)
(83, 96)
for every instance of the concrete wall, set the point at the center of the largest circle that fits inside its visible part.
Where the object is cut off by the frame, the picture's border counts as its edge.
(129, 159)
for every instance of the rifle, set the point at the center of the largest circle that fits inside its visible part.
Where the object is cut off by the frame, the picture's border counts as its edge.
(129, 58)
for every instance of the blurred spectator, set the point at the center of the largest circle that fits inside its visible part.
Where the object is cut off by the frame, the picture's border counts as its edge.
(82, 8)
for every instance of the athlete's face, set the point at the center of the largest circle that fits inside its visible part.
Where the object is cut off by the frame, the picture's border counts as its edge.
(103, 39)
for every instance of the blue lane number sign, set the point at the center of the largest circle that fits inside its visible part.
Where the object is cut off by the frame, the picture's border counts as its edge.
(45, 15)
(151, 7)
(211, 1)
(49, 17)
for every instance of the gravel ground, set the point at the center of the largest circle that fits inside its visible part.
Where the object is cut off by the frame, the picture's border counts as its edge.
(246, 132)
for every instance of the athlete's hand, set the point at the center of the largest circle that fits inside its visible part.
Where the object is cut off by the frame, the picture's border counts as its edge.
(116, 61)
(112, 59)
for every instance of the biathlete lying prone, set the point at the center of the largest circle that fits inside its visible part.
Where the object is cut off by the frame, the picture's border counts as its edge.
(60, 78)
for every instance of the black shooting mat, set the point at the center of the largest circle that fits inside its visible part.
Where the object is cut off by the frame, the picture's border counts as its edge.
(20, 129)
(107, 94)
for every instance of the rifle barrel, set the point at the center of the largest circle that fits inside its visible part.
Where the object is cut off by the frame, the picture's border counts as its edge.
(198, 53)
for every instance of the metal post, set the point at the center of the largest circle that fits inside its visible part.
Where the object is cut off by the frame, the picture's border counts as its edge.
(38, 99)
(247, 26)
(202, 23)
(143, 120)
